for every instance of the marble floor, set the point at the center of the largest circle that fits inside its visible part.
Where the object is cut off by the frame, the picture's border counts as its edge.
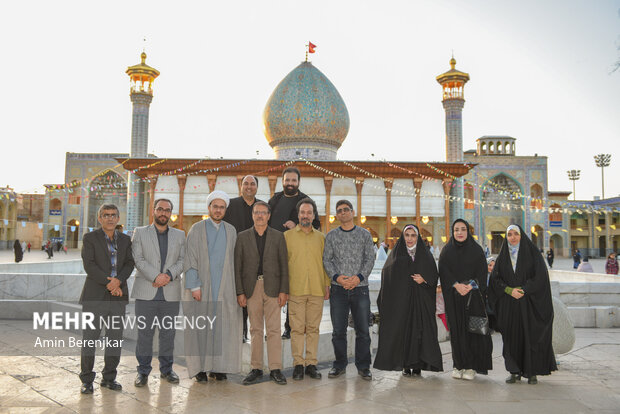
(588, 381)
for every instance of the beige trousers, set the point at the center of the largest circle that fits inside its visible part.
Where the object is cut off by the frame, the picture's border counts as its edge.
(305, 313)
(263, 309)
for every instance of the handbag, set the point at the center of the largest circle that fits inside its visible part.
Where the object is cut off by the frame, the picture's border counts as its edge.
(477, 324)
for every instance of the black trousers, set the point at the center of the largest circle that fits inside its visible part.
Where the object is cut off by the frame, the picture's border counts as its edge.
(112, 355)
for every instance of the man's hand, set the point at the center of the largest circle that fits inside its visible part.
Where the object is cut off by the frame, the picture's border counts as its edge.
(113, 284)
(289, 224)
(197, 295)
(517, 293)
(343, 281)
(282, 298)
(462, 288)
(418, 278)
(326, 293)
(353, 282)
(117, 292)
(162, 279)
(242, 300)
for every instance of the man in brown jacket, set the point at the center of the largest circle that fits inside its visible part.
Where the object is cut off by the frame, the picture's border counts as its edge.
(261, 276)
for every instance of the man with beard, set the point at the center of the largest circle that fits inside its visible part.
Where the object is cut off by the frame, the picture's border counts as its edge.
(284, 213)
(239, 214)
(210, 293)
(158, 251)
(308, 287)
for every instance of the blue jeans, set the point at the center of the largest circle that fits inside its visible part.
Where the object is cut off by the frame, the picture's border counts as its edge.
(340, 302)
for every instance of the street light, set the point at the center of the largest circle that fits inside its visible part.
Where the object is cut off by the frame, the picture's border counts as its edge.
(573, 175)
(602, 160)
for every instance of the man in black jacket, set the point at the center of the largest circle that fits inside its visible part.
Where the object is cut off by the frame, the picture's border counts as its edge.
(284, 214)
(107, 258)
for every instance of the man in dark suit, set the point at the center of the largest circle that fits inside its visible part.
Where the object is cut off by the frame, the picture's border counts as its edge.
(108, 262)
(284, 214)
(261, 278)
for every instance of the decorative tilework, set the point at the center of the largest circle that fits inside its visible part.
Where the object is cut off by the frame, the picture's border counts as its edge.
(305, 107)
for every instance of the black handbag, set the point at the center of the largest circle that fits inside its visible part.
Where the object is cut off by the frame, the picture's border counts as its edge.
(477, 324)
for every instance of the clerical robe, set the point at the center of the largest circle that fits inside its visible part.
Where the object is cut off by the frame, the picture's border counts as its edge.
(214, 348)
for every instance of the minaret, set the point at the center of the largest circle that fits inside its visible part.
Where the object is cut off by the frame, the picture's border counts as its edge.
(453, 84)
(141, 94)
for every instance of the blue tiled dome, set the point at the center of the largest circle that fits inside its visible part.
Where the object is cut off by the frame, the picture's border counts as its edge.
(305, 108)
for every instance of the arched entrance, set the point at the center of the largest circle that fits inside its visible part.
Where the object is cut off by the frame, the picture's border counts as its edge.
(73, 230)
(557, 244)
(538, 236)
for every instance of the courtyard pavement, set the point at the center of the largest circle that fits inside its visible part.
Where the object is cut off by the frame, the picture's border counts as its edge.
(588, 381)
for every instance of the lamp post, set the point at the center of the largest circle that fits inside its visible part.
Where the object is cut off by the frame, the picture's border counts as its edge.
(573, 175)
(602, 160)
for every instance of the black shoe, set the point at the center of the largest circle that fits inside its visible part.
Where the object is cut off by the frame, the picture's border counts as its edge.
(336, 372)
(201, 377)
(111, 384)
(141, 380)
(171, 377)
(245, 339)
(365, 374)
(416, 372)
(312, 372)
(513, 378)
(286, 335)
(532, 380)
(218, 376)
(277, 377)
(253, 376)
(86, 388)
(298, 372)
(406, 372)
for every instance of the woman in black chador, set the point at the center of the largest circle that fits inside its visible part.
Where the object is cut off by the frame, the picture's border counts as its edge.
(17, 249)
(463, 274)
(408, 326)
(520, 294)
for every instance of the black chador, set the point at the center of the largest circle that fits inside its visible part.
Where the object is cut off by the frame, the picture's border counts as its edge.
(408, 326)
(463, 262)
(526, 324)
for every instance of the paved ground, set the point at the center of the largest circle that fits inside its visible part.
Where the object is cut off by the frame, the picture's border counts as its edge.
(588, 381)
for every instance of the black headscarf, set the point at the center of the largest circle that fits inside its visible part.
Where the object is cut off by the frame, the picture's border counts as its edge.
(527, 320)
(408, 329)
(461, 262)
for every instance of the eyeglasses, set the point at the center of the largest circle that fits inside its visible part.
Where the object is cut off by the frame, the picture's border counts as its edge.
(163, 210)
(260, 213)
(343, 210)
(109, 216)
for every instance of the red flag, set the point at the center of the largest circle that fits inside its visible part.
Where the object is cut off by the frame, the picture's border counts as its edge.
(311, 47)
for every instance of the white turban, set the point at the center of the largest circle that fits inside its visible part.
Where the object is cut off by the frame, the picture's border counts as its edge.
(218, 194)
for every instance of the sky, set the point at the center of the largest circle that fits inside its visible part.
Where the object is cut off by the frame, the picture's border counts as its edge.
(541, 72)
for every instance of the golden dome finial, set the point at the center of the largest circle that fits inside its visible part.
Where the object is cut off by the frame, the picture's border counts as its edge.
(452, 62)
(143, 57)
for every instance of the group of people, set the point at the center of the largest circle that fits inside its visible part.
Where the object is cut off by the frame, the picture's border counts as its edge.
(259, 256)
(248, 254)
(511, 294)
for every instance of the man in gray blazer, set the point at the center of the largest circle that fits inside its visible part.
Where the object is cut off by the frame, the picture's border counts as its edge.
(158, 251)
(261, 277)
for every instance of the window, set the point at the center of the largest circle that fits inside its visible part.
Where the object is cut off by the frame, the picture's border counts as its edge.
(536, 195)
(469, 196)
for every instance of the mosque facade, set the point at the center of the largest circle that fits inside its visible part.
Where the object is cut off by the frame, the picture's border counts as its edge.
(306, 121)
